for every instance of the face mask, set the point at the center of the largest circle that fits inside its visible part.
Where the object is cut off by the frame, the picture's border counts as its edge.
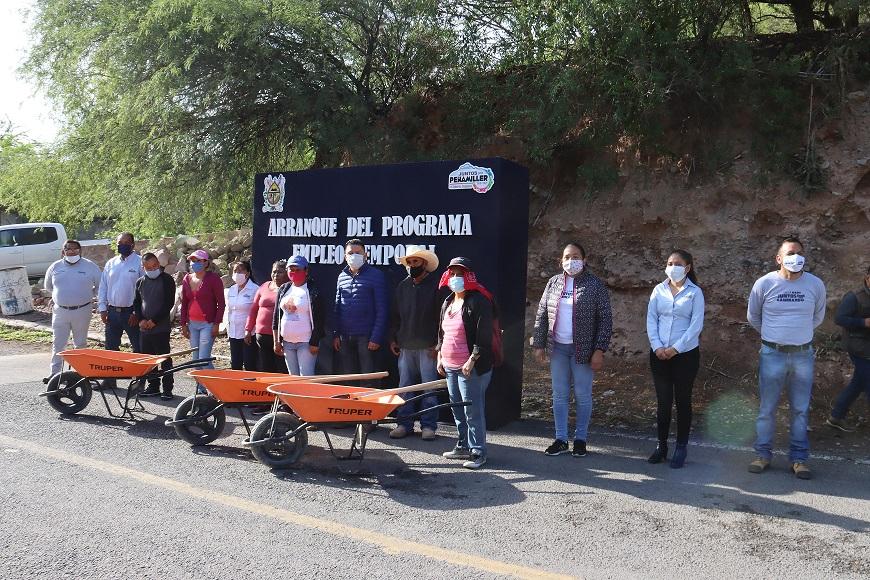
(125, 249)
(152, 273)
(415, 271)
(793, 263)
(239, 278)
(676, 273)
(72, 259)
(573, 267)
(298, 277)
(197, 266)
(355, 261)
(456, 283)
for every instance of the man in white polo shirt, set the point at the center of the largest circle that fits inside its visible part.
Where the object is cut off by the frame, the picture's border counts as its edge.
(785, 307)
(117, 291)
(73, 282)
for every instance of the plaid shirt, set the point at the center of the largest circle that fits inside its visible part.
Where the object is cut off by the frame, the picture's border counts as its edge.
(592, 322)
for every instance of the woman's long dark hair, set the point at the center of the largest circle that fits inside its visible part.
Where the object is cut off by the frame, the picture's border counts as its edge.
(687, 258)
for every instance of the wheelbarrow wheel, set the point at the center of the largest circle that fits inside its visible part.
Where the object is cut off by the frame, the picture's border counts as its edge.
(199, 432)
(73, 392)
(279, 454)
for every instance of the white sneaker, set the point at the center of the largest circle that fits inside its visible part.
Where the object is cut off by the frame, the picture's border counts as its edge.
(476, 461)
(428, 434)
(399, 432)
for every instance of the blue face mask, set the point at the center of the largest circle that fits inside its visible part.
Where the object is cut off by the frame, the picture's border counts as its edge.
(197, 266)
(456, 284)
(125, 249)
(152, 273)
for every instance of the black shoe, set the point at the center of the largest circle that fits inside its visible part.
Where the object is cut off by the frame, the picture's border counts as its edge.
(167, 396)
(660, 454)
(150, 392)
(557, 448)
(679, 458)
(579, 448)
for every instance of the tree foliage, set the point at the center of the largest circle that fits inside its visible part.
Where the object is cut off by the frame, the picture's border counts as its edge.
(171, 106)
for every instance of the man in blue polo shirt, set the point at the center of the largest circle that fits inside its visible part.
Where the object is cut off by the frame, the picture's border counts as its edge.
(361, 312)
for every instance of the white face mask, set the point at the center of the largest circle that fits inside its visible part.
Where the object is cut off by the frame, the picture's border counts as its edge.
(572, 267)
(675, 273)
(239, 278)
(355, 261)
(793, 263)
(72, 259)
(153, 273)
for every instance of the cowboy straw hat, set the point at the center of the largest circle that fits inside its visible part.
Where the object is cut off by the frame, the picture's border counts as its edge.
(420, 252)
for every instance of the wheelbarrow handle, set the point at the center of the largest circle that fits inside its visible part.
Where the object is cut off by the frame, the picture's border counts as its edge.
(430, 386)
(357, 377)
(159, 356)
(419, 414)
(188, 365)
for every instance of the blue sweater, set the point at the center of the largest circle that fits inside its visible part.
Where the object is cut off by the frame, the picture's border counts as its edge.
(361, 304)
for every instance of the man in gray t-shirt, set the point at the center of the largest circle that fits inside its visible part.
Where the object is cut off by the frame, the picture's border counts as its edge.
(785, 307)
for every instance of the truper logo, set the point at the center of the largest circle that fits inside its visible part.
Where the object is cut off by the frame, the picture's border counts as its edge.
(97, 367)
(337, 411)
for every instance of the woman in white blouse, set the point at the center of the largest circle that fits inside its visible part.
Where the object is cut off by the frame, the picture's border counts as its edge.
(674, 320)
(239, 298)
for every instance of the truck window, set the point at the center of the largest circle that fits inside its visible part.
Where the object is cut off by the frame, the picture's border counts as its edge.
(29, 236)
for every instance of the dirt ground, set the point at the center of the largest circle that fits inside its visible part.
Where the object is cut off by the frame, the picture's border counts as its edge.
(725, 405)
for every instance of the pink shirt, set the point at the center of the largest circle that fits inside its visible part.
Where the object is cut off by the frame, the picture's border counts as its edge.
(454, 347)
(262, 309)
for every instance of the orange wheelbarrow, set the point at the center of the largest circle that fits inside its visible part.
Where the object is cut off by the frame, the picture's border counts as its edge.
(70, 391)
(279, 439)
(200, 419)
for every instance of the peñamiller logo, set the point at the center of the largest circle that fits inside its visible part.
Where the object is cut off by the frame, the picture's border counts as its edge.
(468, 176)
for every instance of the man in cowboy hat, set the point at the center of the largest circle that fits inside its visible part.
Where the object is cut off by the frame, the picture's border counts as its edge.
(414, 334)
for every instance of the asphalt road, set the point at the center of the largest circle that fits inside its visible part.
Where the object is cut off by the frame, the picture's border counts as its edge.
(95, 497)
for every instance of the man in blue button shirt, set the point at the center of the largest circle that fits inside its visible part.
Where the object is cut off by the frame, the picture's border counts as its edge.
(361, 312)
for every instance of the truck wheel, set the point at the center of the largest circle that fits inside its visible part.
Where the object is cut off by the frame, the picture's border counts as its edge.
(73, 393)
(281, 454)
(207, 429)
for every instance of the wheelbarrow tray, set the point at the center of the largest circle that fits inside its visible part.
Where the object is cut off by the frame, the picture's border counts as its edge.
(109, 364)
(238, 387)
(316, 402)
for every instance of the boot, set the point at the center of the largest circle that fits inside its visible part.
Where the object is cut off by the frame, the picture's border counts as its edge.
(660, 454)
(679, 457)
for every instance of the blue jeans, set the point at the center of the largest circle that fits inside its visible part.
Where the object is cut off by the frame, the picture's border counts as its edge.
(417, 366)
(471, 420)
(299, 359)
(776, 370)
(117, 325)
(860, 383)
(202, 340)
(564, 369)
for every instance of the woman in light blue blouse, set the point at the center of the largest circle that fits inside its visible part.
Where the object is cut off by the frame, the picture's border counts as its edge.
(674, 320)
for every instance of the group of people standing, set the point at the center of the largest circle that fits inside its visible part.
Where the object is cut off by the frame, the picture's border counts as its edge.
(445, 326)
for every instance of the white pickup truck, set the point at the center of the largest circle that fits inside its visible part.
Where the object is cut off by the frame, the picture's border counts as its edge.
(34, 246)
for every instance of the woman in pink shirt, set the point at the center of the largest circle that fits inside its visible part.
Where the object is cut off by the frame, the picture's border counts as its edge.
(259, 326)
(202, 306)
(465, 357)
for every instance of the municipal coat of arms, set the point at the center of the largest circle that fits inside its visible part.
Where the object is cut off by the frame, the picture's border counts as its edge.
(273, 193)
